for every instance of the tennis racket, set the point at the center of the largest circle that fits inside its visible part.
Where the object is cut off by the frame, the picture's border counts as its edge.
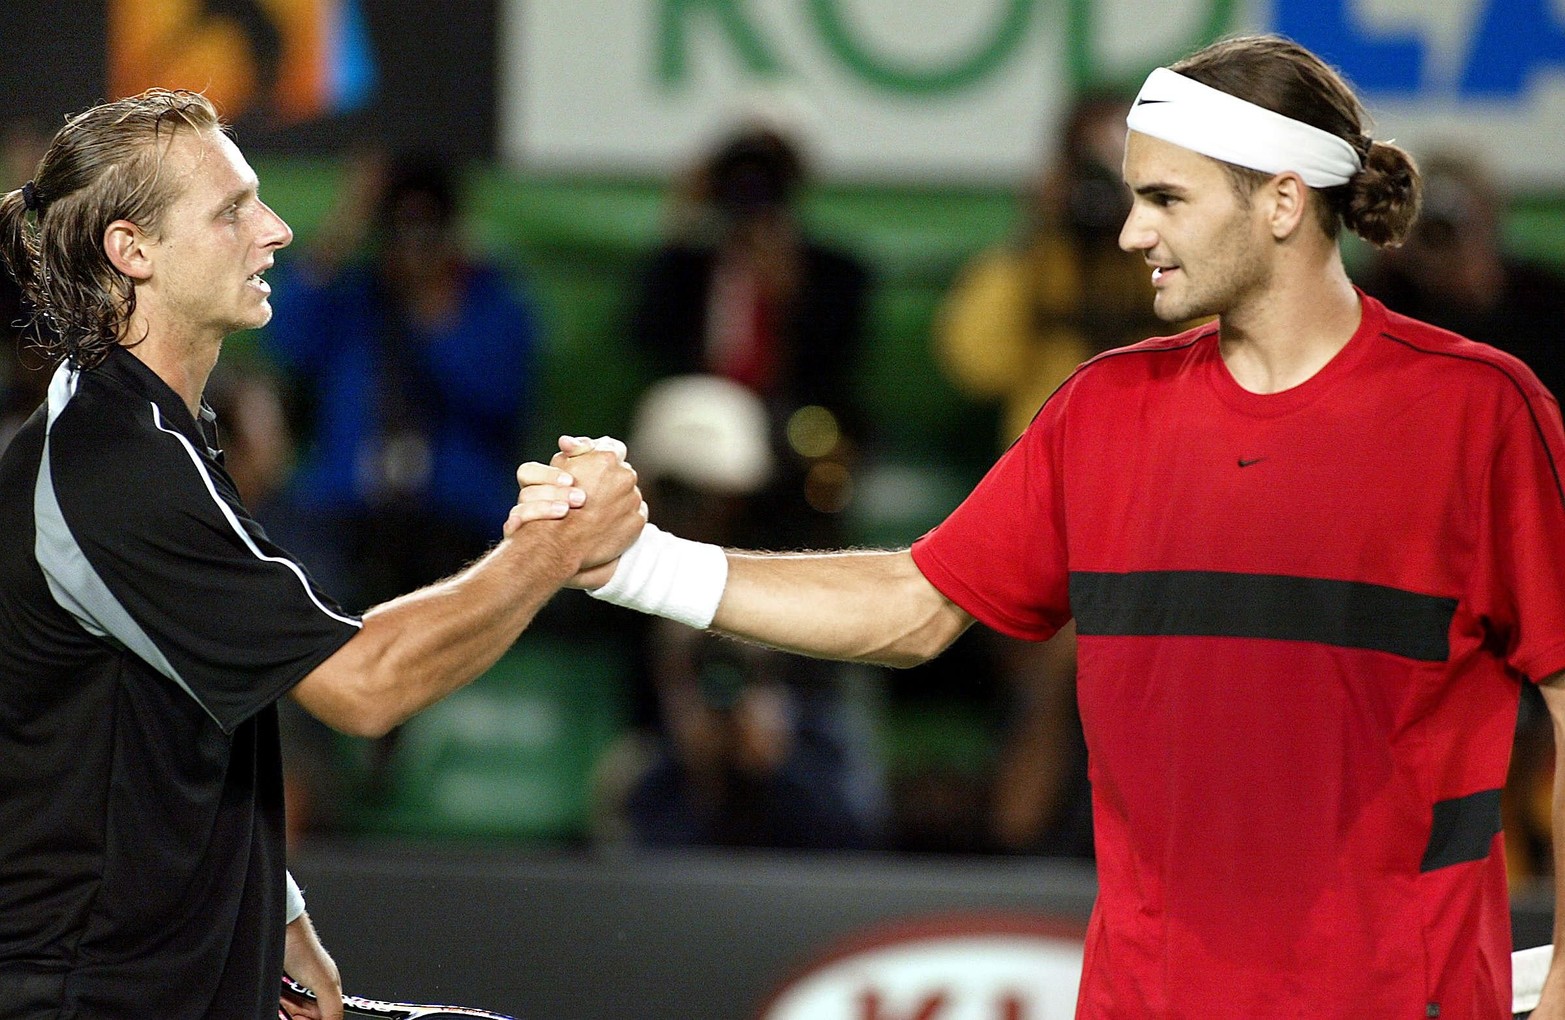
(1528, 969)
(354, 1005)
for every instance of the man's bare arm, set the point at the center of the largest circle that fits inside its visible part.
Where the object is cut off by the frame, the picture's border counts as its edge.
(859, 606)
(1552, 1003)
(873, 606)
(414, 650)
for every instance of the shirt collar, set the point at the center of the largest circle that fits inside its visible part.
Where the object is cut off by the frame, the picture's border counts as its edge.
(130, 371)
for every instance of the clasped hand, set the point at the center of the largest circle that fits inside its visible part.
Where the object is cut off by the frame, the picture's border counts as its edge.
(588, 479)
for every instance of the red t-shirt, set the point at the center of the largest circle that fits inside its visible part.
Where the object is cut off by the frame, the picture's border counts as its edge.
(1303, 621)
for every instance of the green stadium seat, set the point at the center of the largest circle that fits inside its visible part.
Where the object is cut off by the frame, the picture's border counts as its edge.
(511, 755)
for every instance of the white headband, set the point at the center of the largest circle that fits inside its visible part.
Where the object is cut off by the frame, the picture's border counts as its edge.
(1198, 117)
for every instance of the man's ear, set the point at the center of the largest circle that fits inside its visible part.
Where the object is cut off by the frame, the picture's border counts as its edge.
(128, 249)
(1289, 199)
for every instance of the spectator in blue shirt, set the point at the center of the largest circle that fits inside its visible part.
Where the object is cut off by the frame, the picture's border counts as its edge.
(415, 362)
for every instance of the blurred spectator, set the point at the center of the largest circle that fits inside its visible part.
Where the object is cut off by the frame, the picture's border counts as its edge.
(753, 747)
(1454, 272)
(415, 362)
(257, 443)
(1022, 316)
(743, 290)
(1041, 802)
(24, 371)
(1017, 322)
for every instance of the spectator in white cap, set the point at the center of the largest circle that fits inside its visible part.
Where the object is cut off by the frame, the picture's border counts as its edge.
(749, 746)
(723, 420)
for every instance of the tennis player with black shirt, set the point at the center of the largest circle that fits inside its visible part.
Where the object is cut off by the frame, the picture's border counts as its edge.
(1313, 550)
(147, 624)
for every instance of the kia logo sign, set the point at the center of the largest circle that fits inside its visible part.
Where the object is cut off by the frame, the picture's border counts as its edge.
(985, 967)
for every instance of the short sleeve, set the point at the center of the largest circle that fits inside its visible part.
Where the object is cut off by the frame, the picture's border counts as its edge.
(150, 547)
(1519, 581)
(1002, 553)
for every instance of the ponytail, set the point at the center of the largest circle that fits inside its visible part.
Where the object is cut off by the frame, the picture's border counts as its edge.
(1381, 202)
(19, 246)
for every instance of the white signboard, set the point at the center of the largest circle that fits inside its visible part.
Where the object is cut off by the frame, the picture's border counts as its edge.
(928, 91)
(957, 969)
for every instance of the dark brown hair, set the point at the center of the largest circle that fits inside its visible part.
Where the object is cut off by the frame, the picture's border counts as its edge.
(1381, 201)
(104, 165)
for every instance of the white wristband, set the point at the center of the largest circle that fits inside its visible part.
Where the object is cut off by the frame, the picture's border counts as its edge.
(669, 576)
(295, 905)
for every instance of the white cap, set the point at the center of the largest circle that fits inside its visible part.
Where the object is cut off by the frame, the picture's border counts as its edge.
(705, 431)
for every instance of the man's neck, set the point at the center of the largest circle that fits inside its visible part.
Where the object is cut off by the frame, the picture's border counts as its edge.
(182, 362)
(1281, 338)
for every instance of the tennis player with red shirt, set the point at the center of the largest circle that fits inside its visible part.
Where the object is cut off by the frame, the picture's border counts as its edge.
(1312, 549)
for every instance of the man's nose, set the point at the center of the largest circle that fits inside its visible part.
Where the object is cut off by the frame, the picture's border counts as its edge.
(278, 233)
(1134, 235)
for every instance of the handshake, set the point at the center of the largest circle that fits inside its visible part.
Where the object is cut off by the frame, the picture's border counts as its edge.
(589, 480)
(588, 493)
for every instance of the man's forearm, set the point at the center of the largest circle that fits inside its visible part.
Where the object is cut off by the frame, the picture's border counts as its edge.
(1552, 1004)
(1558, 827)
(858, 606)
(459, 627)
(416, 649)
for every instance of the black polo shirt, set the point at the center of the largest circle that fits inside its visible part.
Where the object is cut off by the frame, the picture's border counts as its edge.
(147, 628)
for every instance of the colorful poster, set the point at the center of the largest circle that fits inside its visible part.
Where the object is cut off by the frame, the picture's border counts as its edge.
(296, 60)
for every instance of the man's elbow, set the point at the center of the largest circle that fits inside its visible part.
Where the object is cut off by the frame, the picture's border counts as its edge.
(907, 658)
(922, 621)
(356, 718)
(347, 701)
(368, 721)
(925, 643)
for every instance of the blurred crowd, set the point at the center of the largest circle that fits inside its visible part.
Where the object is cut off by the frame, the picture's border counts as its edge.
(375, 427)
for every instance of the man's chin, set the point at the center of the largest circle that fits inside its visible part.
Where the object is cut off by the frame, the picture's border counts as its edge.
(1172, 311)
(260, 317)
(253, 321)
